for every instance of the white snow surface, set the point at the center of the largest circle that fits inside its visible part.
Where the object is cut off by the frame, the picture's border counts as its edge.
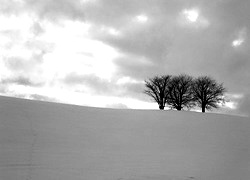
(50, 141)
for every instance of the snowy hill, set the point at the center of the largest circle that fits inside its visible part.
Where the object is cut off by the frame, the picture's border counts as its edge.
(49, 141)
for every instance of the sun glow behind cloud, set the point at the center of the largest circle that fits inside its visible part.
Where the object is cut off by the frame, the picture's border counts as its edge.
(110, 30)
(64, 48)
(74, 52)
(142, 18)
(240, 38)
(237, 42)
(191, 15)
(192, 18)
(54, 50)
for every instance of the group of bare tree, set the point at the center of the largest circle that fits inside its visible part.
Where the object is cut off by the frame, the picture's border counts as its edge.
(184, 91)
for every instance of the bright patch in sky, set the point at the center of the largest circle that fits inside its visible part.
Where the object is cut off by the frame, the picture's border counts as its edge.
(20, 1)
(110, 30)
(191, 15)
(231, 105)
(113, 32)
(126, 80)
(63, 48)
(75, 52)
(142, 18)
(192, 18)
(237, 42)
(240, 37)
(88, 1)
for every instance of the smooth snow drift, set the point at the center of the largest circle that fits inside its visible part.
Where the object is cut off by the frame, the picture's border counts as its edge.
(49, 141)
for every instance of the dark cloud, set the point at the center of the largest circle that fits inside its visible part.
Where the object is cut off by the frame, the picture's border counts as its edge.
(232, 14)
(16, 63)
(45, 9)
(161, 45)
(135, 90)
(96, 84)
(42, 98)
(118, 13)
(3, 89)
(108, 88)
(54, 10)
(150, 42)
(21, 81)
(23, 65)
(151, 39)
(137, 67)
(236, 72)
(10, 7)
(37, 29)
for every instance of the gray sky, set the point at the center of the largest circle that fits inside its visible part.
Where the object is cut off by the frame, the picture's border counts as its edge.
(98, 53)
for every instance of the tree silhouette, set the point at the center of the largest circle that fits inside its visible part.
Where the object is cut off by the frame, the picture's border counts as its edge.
(207, 92)
(157, 88)
(180, 92)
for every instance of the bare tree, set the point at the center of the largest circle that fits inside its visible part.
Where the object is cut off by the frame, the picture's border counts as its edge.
(180, 92)
(207, 92)
(157, 88)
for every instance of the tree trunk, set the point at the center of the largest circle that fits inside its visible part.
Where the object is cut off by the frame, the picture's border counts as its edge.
(161, 107)
(178, 108)
(203, 108)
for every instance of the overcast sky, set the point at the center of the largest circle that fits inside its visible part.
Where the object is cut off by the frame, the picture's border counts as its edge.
(99, 52)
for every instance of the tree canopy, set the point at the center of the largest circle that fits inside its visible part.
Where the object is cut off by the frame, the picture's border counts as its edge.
(157, 88)
(184, 91)
(207, 92)
(180, 92)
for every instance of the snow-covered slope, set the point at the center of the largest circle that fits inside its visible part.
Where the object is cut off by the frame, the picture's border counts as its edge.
(49, 141)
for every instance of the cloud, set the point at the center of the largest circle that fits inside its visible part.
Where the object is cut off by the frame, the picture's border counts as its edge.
(117, 87)
(136, 91)
(135, 66)
(191, 18)
(24, 67)
(159, 41)
(92, 84)
(21, 81)
(89, 46)
(148, 42)
(56, 9)
(11, 6)
(161, 36)
(42, 98)
(16, 64)
(232, 14)
(150, 38)
(244, 105)
(37, 29)
(45, 9)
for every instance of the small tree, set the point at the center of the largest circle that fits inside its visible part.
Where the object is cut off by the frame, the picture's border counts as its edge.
(180, 92)
(157, 88)
(207, 92)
